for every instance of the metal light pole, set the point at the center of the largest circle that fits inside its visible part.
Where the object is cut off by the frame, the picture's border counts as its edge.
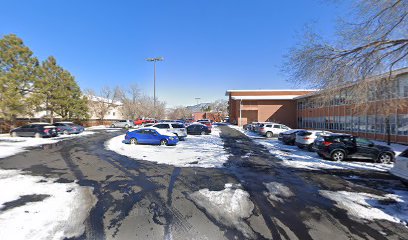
(154, 60)
(197, 99)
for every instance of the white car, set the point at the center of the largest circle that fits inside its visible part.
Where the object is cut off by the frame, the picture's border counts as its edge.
(400, 168)
(173, 127)
(271, 129)
(123, 124)
(305, 139)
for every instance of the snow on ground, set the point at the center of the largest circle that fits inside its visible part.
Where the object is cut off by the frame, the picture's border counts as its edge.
(391, 207)
(101, 127)
(13, 145)
(292, 156)
(196, 151)
(277, 191)
(230, 206)
(34, 207)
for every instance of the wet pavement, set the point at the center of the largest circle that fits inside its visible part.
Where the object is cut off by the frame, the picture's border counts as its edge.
(145, 200)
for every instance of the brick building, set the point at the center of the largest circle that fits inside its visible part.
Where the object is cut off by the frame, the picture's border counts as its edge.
(247, 106)
(304, 109)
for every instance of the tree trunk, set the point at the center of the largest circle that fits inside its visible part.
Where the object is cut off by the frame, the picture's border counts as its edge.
(52, 117)
(388, 130)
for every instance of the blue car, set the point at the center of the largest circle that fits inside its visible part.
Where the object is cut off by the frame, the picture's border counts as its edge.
(150, 136)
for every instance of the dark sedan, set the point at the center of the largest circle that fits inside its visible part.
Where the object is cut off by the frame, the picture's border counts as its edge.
(68, 128)
(37, 130)
(198, 129)
(289, 137)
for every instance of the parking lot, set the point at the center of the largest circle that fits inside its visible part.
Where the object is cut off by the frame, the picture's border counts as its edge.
(221, 186)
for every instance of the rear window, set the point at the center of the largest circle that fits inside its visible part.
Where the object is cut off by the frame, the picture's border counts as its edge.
(337, 138)
(177, 125)
(276, 126)
(303, 133)
(268, 125)
(404, 154)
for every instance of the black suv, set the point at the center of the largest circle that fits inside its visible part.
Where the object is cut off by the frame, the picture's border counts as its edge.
(342, 146)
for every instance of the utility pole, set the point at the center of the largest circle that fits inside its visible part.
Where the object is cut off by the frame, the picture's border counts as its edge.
(154, 60)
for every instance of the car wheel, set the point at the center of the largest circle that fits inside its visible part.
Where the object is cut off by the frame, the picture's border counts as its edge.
(310, 147)
(133, 141)
(338, 156)
(269, 134)
(113, 126)
(202, 133)
(163, 142)
(65, 132)
(13, 134)
(385, 158)
(37, 135)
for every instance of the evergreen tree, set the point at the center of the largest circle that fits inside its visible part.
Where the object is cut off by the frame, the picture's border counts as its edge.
(18, 71)
(57, 92)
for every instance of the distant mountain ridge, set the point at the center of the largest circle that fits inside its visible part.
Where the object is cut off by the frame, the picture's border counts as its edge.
(198, 107)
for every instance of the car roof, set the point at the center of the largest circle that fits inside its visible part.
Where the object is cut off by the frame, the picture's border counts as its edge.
(64, 122)
(39, 123)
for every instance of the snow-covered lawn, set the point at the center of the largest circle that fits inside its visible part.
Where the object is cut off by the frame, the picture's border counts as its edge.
(292, 156)
(102, 127)
(391, 207)
(33, 207)
(12, 145)
(230, 206)
(196, 151)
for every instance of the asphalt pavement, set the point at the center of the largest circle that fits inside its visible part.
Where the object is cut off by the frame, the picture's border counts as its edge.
(144, 200)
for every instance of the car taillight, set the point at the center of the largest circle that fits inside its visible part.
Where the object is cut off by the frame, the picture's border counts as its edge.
(58, 129)
(262, 128)
(46, 130)
(306, 138)
(326, 143)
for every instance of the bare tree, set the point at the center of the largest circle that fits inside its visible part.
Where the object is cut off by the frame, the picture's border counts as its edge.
(179, 112)
(220, 106)
(101, 103)
(376, 42)
(130, 100)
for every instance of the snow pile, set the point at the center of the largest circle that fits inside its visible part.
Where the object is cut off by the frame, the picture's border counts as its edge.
(196, 151)
(230, 206)
(13, 145)
(249, 134)
(292, 156)
(101, 127)
(391, 207)
(33, 207)
(277, 191)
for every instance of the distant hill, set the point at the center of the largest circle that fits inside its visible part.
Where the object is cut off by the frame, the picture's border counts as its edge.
(198, 107)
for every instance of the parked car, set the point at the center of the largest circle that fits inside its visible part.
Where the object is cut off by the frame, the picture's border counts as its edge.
(305, 139)
(198, 129)
(173, 127)
(271, 129)
(151, 136)
(339, 147)
(68, 128)
(37, 130)
(123, 124)
(289, 137)
(400, 168)
(206, 122)
(142, 121)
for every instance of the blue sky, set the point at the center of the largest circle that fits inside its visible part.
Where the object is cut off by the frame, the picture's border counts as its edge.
(209, 46)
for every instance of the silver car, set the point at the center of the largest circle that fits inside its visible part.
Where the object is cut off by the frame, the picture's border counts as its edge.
(123, 124)
(173, 127)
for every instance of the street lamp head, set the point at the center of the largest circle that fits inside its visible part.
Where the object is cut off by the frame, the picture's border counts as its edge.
(156, 59)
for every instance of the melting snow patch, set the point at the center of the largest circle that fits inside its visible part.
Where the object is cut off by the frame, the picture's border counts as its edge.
(230, 206)
(294, 157)
(33, 207)
(13, 145)
(196, 151)
(277, 191)
(391, 207)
